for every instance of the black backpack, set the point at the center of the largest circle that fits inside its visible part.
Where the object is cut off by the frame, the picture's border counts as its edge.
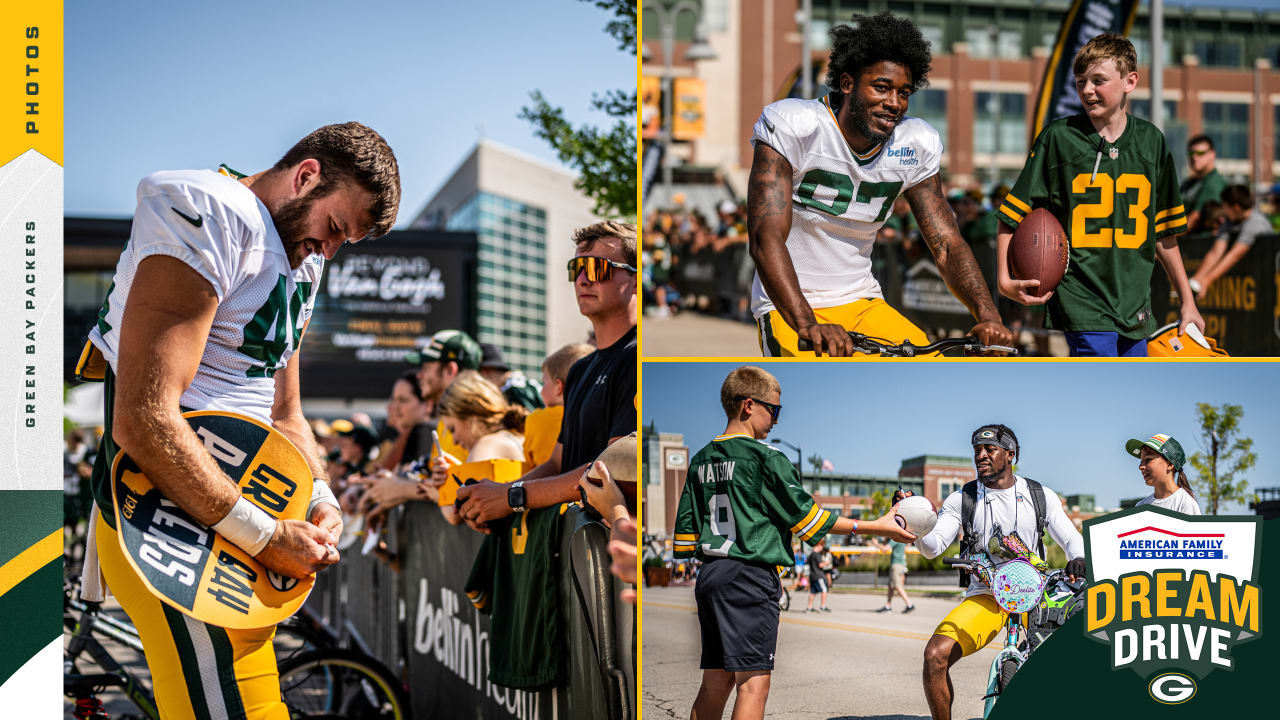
(969, 501)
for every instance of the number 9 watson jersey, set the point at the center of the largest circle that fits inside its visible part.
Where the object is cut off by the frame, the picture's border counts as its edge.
(839, 199)
(217, 226)
(742, 499)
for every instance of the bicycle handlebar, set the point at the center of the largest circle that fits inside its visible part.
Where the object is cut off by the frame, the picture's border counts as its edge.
(873, 346)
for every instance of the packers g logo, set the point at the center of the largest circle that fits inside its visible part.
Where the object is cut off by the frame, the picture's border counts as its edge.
(1172, 688)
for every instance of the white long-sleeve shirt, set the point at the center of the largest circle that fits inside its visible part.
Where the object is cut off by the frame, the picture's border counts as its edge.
(1011, 508)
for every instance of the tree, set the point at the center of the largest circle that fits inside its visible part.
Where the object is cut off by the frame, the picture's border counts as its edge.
(1225, 456)
(604, 158)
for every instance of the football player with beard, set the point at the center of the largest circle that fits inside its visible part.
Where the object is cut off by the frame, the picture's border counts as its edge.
(824, 178)
(210, 299)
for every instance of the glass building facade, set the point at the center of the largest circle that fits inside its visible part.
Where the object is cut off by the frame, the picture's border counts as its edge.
(511, 285)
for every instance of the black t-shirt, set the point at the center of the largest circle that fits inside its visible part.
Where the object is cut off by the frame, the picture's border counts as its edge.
(419, 442)
(599, 401)
(815, 572)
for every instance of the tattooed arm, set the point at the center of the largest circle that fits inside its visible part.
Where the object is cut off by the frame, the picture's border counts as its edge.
(955, 260)
(768, 223)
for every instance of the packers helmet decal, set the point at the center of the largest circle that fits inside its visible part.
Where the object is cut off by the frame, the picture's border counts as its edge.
(188, 565)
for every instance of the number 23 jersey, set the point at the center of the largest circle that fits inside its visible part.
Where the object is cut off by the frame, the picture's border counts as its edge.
(742, 499)
(218, 227)
(839, 199)
(1113, 219)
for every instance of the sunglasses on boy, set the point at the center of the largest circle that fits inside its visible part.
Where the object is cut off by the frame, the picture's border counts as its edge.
(774, 410)
(598, 269)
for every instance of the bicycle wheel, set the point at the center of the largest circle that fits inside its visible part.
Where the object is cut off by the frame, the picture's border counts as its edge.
(784, 602)
(1007, 669)
(292, 639)
(341, 683)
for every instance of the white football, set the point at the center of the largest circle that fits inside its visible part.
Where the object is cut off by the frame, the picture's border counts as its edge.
(917, 515)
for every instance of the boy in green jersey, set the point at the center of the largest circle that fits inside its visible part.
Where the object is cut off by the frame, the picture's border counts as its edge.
(741, 503)
(1109, 179)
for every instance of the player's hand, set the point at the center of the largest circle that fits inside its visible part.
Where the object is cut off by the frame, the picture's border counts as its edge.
(1076, 569)
(483, 501)
(993, 332)
(1189, 315)
(298, 549)
(606, 497)
(827, 339)
(327, 518)
(899, 495)
(1017, 291)
(886, 526)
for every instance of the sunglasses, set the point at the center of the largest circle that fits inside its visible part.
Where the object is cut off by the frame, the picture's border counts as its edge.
(1198, 153)
(598, 269)
(774, 410)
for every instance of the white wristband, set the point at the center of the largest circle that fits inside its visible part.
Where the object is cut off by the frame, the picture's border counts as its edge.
(247, 526)
(320, 493)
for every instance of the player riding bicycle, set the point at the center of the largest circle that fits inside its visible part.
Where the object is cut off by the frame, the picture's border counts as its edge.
(998, 502)
(824, 178)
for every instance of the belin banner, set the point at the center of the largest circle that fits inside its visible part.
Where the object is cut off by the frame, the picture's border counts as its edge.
(1085, 20)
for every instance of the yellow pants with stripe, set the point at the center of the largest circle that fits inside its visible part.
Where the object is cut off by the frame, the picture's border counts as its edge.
(973, 623)
(198, 671)
(872, 317)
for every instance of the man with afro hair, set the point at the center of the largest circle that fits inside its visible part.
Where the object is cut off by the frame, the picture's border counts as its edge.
(824, 178)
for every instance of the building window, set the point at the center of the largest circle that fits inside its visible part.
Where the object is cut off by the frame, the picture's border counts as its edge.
(931, 106)
(1012, 130)
(1142, 109)
(1228, 125)
(1218, 51)
(1008, 43)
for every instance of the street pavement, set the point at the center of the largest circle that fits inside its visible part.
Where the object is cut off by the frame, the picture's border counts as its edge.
(846, 664)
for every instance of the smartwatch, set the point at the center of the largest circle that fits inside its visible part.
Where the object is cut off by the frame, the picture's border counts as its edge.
(515, 496)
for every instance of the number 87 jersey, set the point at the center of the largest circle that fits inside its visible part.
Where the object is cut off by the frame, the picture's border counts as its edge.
(218, 227)
(839, 198)
(742, 499)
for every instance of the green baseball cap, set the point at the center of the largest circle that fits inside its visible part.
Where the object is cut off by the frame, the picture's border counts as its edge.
(1168, 448)
(446, 346)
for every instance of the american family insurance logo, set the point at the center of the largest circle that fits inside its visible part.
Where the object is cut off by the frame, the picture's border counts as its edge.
(1172, 594)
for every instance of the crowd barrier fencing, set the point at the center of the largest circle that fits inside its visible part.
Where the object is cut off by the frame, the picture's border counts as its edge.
(419, 622)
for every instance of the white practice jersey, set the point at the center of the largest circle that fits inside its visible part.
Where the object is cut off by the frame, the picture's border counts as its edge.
(218, 227)
(839, 199)
(1179, 501)
(1011, 508)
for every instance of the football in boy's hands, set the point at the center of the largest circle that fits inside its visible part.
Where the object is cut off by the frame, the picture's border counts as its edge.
(1038, 251)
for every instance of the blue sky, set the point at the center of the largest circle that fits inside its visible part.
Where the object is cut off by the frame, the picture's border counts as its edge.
(164, 86)
(1072, 418)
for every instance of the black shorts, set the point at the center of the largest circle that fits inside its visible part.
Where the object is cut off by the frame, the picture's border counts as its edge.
(817, 584)
(738, 613)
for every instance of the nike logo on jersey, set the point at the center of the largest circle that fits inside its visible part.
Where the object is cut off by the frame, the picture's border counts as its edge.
(197, 220)
(766, 122)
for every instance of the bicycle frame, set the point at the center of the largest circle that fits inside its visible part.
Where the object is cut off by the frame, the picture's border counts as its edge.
(868, 345)
(1014, 633)
(114, 674)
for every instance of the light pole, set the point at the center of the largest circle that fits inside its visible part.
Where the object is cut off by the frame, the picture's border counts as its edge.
(994, 106)
(699, 50)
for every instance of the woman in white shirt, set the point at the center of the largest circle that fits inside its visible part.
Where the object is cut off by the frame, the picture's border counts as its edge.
(1161, 460)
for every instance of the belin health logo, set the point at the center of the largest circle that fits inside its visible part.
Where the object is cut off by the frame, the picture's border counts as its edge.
(1172, 594)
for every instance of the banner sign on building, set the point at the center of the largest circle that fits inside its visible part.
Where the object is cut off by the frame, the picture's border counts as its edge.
(650, 107)
(688, 121)
(380, 300)
(1085, 20)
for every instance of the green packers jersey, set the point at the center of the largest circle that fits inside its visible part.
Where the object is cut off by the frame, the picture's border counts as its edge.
(1113, 219)
(742, 499)
(1198, 191)
(513, 580)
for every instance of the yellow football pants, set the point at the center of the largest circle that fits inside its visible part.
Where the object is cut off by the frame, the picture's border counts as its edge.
(973, 623)
(872, 317)
(198, 671)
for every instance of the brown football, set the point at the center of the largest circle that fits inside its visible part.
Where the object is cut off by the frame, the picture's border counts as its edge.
(1038, 251)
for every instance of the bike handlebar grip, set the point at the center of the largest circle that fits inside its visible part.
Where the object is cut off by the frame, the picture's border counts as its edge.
(803, 345)
(953, 561)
